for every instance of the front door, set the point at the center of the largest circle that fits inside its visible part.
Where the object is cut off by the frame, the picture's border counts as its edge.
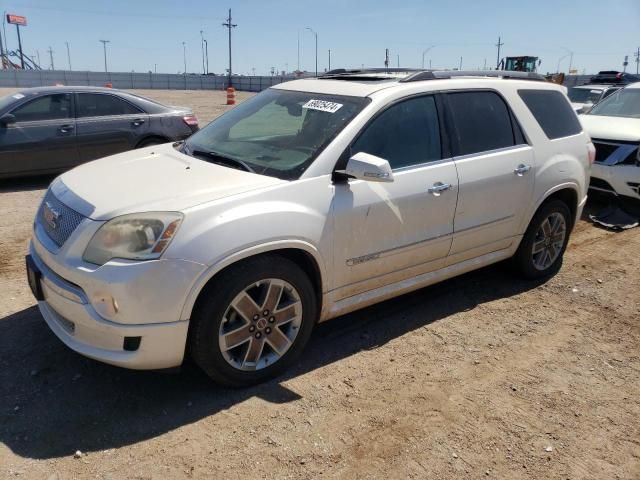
(42, 139)
(388, 232)
(496, 173)
(107, 125)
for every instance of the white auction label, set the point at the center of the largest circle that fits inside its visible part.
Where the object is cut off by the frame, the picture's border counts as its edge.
(323, 106)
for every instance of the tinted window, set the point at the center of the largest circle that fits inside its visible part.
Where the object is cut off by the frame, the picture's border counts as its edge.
(552, 111)
(48, 107)
(482, 122)
(407, 133)
(98, 105)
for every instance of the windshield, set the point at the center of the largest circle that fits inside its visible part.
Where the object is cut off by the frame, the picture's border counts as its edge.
(584, 95)
(277, 132)
(623, 103)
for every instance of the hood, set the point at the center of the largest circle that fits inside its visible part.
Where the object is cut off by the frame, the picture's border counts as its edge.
(623, 129)
(157, 178)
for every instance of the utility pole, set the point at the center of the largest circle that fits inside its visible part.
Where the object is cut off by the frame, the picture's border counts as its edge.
(229, 25)
(38, 55)
(184, 56)
(637, 55)
(460, 67)
(206, 54)
(51, 57)
(202, 49)
(625, 63)
(298, 69)
(424, 52)
(316, 35)
(499, 44)
(329, 59)
(1, 52)
(386, 58)
(398, 63)
(104, 48)
(68, 55)
(485, 64)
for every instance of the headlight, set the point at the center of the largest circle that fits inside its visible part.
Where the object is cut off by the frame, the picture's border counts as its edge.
(138, 236)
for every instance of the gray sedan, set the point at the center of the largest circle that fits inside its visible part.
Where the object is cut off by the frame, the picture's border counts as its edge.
(51, 129)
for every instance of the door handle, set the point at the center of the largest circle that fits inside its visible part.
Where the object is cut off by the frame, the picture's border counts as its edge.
(438, 188)
(66, 128)
(521, 169)
(137, 121)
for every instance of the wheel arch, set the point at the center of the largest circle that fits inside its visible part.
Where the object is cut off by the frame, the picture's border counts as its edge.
(302, 253)
(146, 138)
(566, 192)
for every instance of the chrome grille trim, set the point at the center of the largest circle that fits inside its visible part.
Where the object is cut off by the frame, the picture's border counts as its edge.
(66, 222)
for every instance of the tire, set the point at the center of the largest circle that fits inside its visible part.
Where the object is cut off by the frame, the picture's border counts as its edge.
(271, 332)
(550, 241)
(150, 142)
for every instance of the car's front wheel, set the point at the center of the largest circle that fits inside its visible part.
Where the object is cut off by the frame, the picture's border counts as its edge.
(253, 321)
(542, 247)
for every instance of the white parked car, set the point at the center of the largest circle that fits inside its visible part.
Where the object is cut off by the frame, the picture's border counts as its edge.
(614, 125)
(583, 97)
(315, 198)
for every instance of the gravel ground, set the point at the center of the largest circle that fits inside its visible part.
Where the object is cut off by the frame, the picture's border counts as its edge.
(483, 376)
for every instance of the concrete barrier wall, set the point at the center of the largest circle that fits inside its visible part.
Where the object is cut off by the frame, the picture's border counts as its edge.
(124, 80)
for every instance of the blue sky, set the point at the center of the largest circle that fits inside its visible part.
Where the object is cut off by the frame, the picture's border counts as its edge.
(145, 33)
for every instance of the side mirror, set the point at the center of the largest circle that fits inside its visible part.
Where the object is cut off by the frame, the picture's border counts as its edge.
(7, 119)
(364, 166)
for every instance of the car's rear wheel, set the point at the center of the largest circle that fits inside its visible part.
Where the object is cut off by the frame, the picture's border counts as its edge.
(545, 241)
(253, 321)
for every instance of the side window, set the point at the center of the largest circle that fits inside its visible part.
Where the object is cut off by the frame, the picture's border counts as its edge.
(100, 105)
(48, 107)
(553, 112)
(609, 92)
(482, 122)
(407, 133)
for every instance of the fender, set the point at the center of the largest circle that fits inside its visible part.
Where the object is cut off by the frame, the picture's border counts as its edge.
(246, 252)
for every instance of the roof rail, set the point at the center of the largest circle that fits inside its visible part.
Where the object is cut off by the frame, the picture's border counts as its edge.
(361, 71)
(447, 74)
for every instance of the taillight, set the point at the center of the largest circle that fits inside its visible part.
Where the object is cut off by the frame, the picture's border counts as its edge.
(190, 120)
(592, 153)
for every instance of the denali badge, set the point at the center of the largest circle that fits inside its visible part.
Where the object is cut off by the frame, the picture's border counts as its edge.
(51, 215)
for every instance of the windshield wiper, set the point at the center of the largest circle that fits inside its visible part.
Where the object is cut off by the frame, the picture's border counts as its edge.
(220, 159)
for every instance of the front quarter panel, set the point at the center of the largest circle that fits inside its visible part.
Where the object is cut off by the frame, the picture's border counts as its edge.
(292, 215)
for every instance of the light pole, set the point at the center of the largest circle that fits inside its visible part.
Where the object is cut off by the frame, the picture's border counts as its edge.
(184, 56)
(206, 54)
(570, 54)
(560, 60)
(425, 52)
(316, 35)
(104, 47)
(68, 55)
(202, 48)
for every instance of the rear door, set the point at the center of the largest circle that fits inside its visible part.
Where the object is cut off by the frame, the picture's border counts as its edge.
(389, 232)
(43, 138)
(495, 169)
(107, 124)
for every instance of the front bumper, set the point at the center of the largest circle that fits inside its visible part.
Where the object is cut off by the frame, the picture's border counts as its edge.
(107, 314)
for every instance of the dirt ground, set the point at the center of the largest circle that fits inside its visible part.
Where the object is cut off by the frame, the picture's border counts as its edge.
(483, 376)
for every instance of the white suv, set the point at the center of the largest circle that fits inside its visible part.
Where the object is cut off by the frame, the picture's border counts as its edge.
(310, 200)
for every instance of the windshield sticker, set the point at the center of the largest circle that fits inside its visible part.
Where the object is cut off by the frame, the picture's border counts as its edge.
(18, 96)
(323, 106)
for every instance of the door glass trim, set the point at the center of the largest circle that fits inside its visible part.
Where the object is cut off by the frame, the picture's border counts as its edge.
(522, 146)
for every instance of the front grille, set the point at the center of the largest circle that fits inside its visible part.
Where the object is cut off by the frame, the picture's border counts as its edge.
(58, 220)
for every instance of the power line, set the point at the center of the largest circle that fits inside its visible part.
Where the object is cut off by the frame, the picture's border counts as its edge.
(229, 25)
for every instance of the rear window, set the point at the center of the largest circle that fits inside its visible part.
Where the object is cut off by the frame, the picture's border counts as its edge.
(552, 111)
